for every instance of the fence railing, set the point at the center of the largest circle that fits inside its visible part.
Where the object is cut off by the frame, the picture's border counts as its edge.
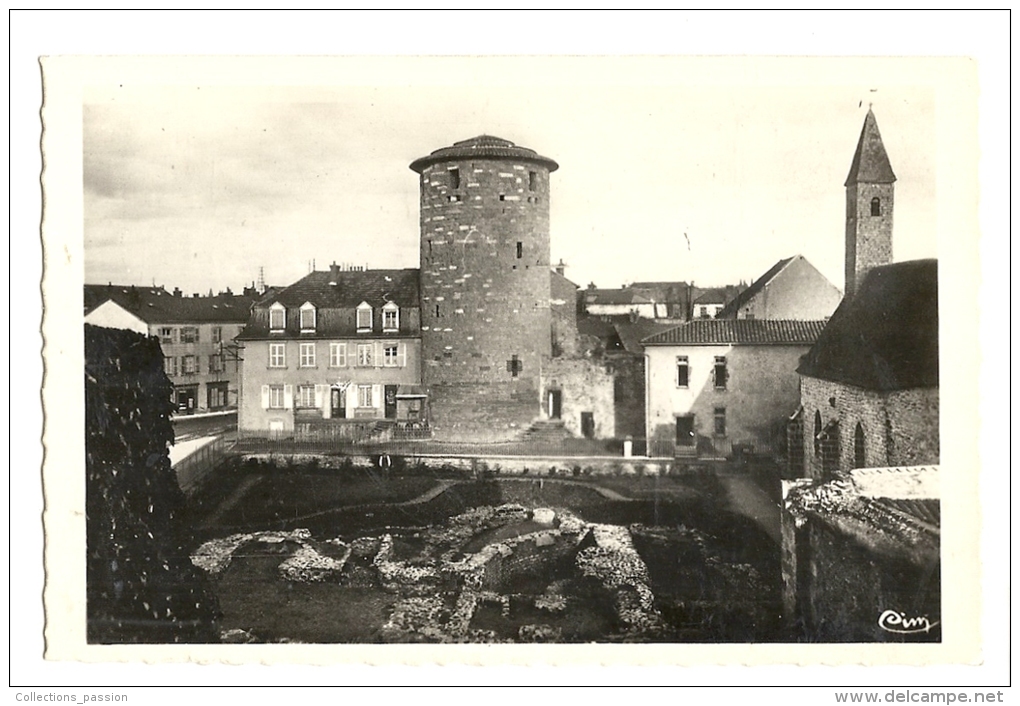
(194, 467)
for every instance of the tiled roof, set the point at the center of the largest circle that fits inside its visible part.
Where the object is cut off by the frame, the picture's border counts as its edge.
(155, 305)
(885, 337)
(631, 333)
(336, 296)
(739, 332)
(483, 147)
(615, 297)
(715, 295)
(871, 163)
(751, 292)
(352, 287)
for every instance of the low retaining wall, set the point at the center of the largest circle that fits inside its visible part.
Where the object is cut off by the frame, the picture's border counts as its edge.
(506, 465)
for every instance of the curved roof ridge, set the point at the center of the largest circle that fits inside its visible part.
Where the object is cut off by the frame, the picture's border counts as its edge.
(483, 146)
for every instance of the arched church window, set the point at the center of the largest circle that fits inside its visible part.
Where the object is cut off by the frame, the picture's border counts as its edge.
(818, 433)
(859, 460)
(876, 206)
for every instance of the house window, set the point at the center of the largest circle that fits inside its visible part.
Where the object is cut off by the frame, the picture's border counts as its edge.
(454, 178)
(703, 312)
(166, 335)
(276, 396)
(307, 317)
(719, 374)
(390, 355)
(170, 365)
(683, 371)
(276, 356)
(307, 358)
(859, 460)
(520, 250)
(876, 206)
(189, 364)
(365, 354)
(306, 396)
(217, 334)
(532, 181)
(189, 334)
(365, 396)
(216, 363)
(337, 355)
(277, 318)
(719, 419)
(364, 317)
(391, 317)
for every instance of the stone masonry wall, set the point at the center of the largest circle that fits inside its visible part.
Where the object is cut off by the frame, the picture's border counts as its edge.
(868, 238)
(586, 386)
(485, 287)
(900, 428)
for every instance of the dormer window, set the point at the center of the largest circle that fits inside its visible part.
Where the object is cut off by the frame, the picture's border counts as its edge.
(277, 317)
(364, 317)
(391, 317)
(307, 317)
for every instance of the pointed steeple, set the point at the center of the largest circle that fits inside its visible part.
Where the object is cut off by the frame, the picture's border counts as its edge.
(871, 163)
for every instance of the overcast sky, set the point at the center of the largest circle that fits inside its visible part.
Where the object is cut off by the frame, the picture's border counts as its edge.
(198, 186)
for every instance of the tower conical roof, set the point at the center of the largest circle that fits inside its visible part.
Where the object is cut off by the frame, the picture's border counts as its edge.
(871, 163)
(484, 147)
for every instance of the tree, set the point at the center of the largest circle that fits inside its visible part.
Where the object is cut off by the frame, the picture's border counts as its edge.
(141, 584)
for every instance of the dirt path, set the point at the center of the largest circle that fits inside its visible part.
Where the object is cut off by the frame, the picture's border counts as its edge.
(746, 498)
(604, 492)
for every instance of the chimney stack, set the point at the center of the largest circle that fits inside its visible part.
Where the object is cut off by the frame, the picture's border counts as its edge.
(334, 274)
(561, 267)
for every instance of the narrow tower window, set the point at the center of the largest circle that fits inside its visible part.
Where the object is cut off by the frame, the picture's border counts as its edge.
(437, 311)
(454, 178)
(532, 181)
(876, 206)
(520, 249)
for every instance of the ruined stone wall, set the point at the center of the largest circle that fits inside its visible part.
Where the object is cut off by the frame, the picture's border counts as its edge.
(485, 288)
(849, 588)
(900, 428)
(585, 385)
(629, 395)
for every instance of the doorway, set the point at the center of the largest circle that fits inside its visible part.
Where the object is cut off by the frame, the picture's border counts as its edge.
(390, 401)
(187, 399)
(337, 403)
(685, 430)
(588, 425)
(555, 404)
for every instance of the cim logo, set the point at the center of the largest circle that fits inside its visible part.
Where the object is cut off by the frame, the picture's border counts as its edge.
(897, 622)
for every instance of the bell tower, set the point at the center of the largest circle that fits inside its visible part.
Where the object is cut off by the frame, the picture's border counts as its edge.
(869, 207)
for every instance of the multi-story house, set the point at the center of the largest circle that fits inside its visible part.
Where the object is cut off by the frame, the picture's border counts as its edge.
(334, 348)
(716, 384)
(196, 334)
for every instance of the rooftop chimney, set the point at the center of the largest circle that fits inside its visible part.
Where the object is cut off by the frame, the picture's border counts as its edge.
(561, 267)
(334, 273)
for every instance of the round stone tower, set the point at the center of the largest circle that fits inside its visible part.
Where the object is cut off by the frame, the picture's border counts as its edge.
(485, 278)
